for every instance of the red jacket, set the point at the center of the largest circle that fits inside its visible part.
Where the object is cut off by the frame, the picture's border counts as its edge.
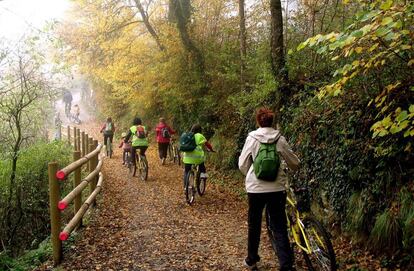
(158, 130)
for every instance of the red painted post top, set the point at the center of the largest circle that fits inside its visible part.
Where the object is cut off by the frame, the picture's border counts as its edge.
(62, 205)
(63, 236)
(60, 175)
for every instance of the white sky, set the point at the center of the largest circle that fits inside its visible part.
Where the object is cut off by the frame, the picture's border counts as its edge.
(16, 16)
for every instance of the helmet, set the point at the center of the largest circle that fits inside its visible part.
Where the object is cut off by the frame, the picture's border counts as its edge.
(123, 134)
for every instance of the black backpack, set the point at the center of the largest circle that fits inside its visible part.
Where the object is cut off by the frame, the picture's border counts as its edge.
(165, 133)
(187, 142)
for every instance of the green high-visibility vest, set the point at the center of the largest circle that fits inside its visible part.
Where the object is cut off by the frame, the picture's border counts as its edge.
(196, 156)
(136, 141)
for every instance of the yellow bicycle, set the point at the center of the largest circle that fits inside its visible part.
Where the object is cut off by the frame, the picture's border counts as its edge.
(141, 164)
(308, 234)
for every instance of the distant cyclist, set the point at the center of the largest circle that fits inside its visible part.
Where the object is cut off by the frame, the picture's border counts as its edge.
(126, 147)
(139, 134)
(58, 127)
(108, 130)
(164, 133)
(67, 99)
(197, 157)
(76, 114)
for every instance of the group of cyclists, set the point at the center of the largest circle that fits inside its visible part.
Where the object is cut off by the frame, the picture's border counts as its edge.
(72, 113)
(263, 192)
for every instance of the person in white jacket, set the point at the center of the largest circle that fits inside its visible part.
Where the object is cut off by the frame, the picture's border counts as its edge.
(269, 194)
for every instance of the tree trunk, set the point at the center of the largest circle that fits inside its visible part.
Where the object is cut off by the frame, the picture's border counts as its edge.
(148, 25)
(276, 42)
(243, 49)
(182, 17)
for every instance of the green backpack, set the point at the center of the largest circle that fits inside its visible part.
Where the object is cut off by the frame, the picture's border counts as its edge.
(267, 162)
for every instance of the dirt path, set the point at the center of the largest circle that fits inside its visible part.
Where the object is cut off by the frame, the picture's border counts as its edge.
(148, 226)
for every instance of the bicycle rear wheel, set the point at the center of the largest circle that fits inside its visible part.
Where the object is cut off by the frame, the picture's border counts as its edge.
(143, 168)
(177, 157)
(190, 187)
(322, 256)
(108, 148)
(170, 153)
(132, 168)
(201, 184)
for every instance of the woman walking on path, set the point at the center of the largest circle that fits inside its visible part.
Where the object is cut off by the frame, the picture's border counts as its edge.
(269, 193)
(163, 133)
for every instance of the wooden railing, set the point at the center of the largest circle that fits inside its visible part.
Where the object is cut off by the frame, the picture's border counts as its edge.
(86, 152)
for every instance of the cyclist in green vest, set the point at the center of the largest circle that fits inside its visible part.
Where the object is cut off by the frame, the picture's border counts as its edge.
(139, 140)
(197, 157)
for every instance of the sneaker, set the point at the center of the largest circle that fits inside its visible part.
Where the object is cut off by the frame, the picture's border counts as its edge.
(203, 175)
(250, 265)
(163, 161)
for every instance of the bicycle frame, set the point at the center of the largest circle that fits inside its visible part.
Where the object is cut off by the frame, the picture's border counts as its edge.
(138, 160)
(297, 228)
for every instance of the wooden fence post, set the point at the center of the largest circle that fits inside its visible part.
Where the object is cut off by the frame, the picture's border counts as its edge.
(83, 144)
(90, 142)
(76, 182)
(78, 145)
(75, 141)
(86, 143)
(91, 167)
(54, 196)
(69, 134)
(95, 163)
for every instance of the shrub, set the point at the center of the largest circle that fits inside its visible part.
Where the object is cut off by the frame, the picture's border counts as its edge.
(29, 203)
(386, 234)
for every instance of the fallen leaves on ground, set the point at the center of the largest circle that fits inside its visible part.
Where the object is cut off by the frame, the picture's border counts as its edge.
(147, 225)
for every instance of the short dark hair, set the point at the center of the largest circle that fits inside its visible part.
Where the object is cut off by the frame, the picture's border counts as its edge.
(265, 117)
(196, 128)
(137, 121)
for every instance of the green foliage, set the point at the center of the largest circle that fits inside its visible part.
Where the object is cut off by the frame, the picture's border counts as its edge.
(406, 216)
(378, 42)
(347, 110)
(29, 205)
(356, 217)
(28, 260)
(386, 234)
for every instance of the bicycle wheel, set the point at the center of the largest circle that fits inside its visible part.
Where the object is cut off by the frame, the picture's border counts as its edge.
(170, 153)
(298, 260)
(132, 168)
(177, 157)
(189, 187)
(201, 184)
(322, 256)
(143, 168)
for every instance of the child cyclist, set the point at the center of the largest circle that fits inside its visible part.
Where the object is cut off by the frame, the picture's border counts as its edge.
(126, 147)
(197, 157)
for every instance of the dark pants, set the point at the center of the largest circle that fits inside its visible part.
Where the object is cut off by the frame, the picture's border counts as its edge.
(187, 168)
(68, 107)
(275, 204)
(162, 149)
(142, 150)
(111, 138)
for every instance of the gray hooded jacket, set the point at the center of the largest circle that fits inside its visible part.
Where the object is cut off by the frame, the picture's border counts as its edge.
(249, 152)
